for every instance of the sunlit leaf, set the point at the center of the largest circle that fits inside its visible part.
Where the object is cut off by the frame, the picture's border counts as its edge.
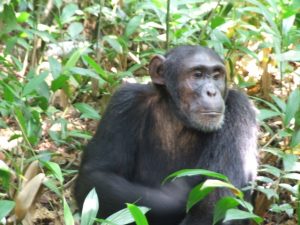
(68, 217)
(90, 208)
(138, 215)
(132, 25)
(6, 207)
(236, 214)
(195, 172)
(87, 111)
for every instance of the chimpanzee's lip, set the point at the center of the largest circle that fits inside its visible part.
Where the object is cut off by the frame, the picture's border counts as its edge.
(211, 113)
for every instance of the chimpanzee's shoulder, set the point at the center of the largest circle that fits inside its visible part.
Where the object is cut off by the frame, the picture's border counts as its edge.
(240, 105)
(131, 96)
(134, 92)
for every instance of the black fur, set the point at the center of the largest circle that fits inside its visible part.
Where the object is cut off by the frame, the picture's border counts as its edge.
(140, 141)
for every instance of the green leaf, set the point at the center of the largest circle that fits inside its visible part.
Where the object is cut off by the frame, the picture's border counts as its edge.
(123, 216)
(270, 193)
(87, 111)
(90, 208)
(139, 217)
(295, 138)
(68, 13)
(236, 214)
(5, 208)
(279, 102)
(290, 163)
(75, 29)
(55, 67)
(59, 82)
(293, 105)
(84, 72)
(21, 120)
(271, 169)
(222, 206)
(267, 114)
(291, 55)
(114, 43)
(287, 208)
(55, 170)
(132, 25)
(293, 176)
(52, 186)
(73, 59)
(287, 24)
(34, 83)
(97, 68)
(195, 172)
(22, 17)
(69, 220)
(217, 21)
(202, 190)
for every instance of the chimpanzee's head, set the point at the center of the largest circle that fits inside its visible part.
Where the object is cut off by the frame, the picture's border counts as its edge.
(195, 78)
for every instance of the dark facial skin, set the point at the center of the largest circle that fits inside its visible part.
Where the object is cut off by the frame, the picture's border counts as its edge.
(200, 88)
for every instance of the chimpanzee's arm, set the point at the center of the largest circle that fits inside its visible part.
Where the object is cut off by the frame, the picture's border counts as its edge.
(109, 161)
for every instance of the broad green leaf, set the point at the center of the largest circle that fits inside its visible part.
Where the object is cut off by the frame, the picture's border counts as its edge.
(196, 195)
(123, 216)
(84, 72)
(22, 17)
(202, 190)
(270, 193)
(73, 59)
(293, 176)
(90, 208)
(59, 82)
(264, 179)
(34, 83)
(102, 73)
(68, 217)
(80, 134)
(279, 102)
(217, 21)
(290, 188)
(267, 114)
(75, 29)
(287, 208)
(139, 217)
(21, 120)
(290, 163)
(291, 55)
(195, 172)
(55, 67)
(114, 43)
(271, 169)
(52, 186)
(236, 214)
(87, 111)
(55, 170)
(6, 207)
(68, 13)
(222, 206)
(132, 25)
(293, 105)
(287, 24)
(295, 138)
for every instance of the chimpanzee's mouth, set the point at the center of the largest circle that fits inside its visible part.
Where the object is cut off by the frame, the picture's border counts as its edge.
(211, 113)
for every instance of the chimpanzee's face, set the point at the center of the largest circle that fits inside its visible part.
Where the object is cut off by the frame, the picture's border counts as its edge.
(201, 90)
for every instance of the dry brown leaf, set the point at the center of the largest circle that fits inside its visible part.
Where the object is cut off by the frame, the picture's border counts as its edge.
(27, 195)
(32, 170)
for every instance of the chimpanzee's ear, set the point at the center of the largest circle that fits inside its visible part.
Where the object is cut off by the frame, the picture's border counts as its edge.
(156, 69)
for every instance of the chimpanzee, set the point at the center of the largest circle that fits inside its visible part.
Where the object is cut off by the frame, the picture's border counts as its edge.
(187, 118)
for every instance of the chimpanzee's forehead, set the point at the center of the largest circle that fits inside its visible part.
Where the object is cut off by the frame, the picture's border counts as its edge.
(202, 58)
